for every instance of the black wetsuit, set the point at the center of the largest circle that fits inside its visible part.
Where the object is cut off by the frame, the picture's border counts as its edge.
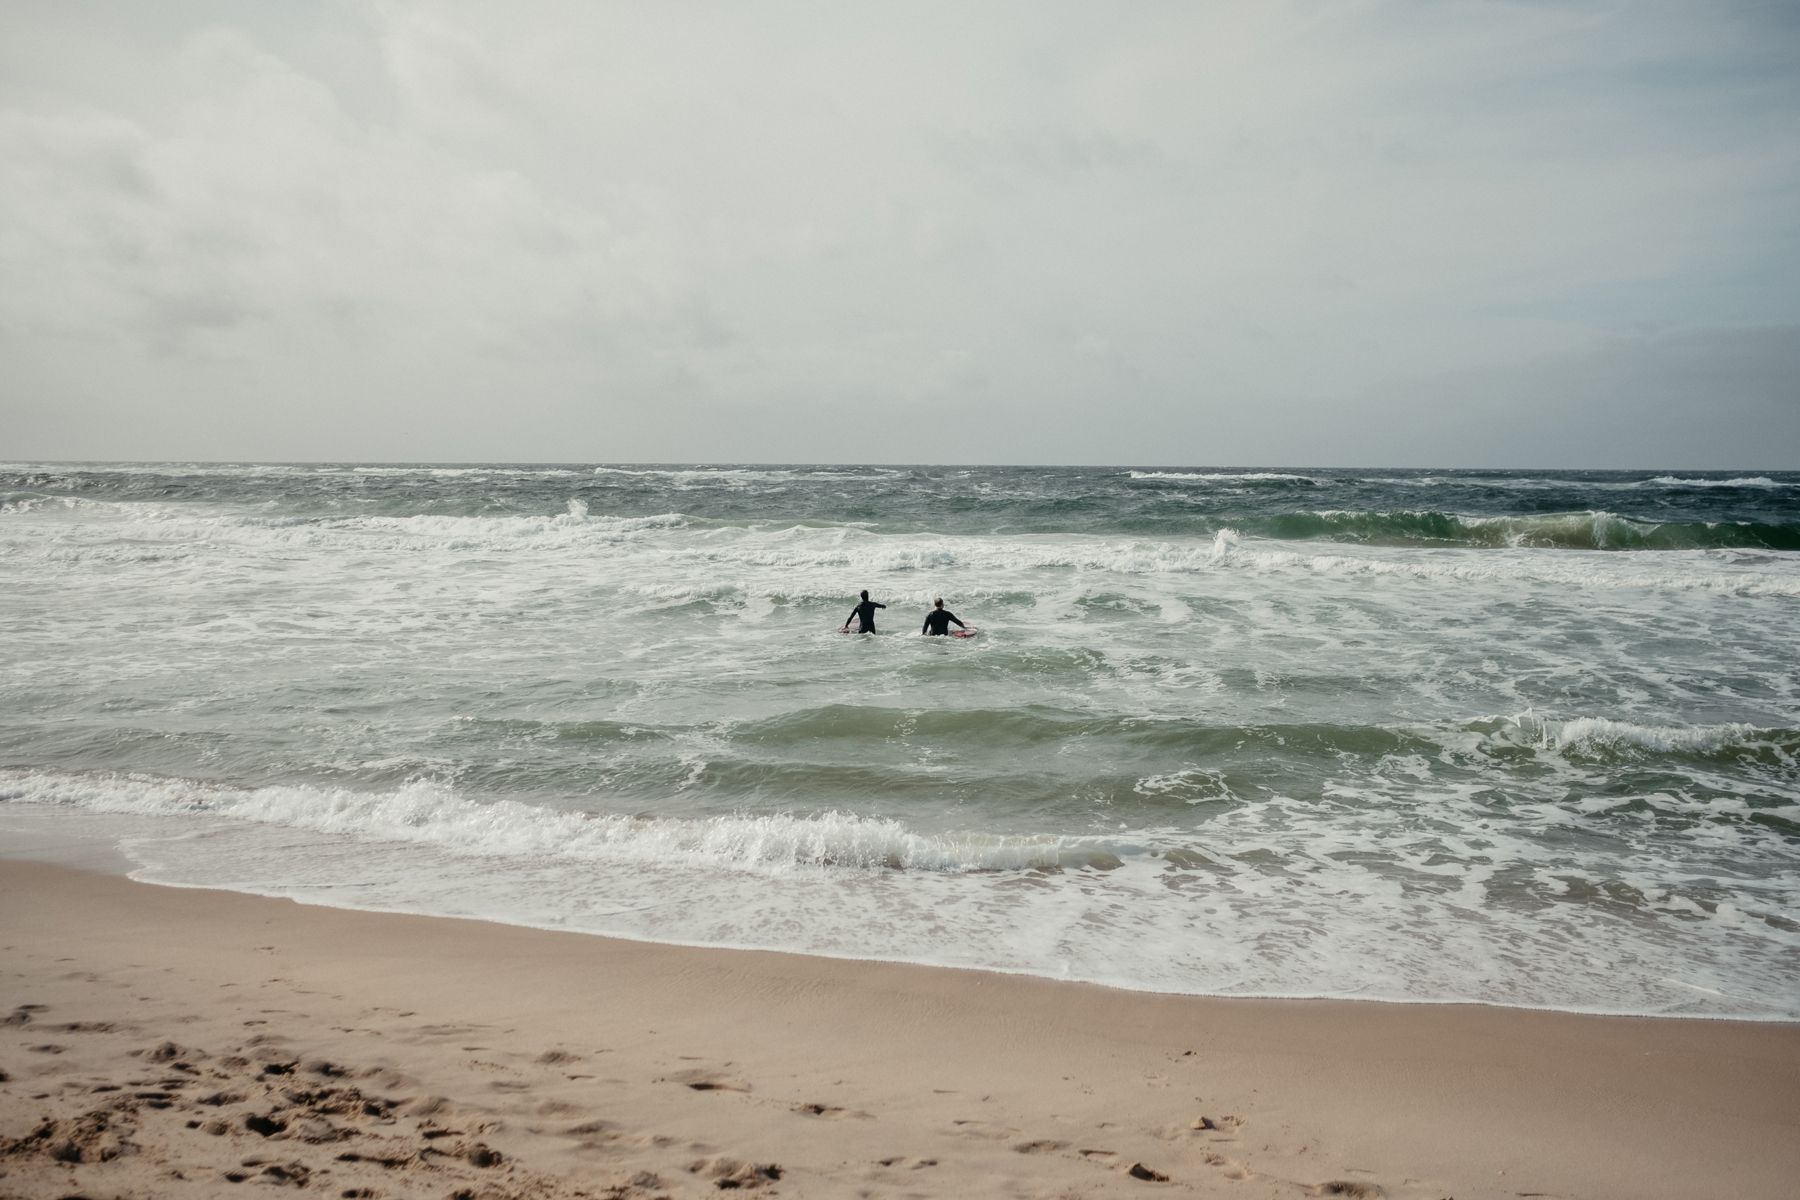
(937, 622)
(865, 615)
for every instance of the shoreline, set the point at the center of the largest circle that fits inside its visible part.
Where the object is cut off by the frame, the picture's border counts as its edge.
(511, 1061)
(904, 963)
(93, 841)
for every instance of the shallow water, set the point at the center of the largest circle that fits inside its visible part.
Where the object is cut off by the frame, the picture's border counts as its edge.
(1527, 738)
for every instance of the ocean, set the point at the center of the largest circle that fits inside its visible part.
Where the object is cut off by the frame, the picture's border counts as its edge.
(1525, 738)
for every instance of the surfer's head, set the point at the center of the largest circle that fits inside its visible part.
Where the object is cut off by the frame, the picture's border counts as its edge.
(939, 602)
(865, 594)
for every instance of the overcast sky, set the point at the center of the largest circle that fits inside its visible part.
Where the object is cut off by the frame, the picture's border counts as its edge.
(1308, 233)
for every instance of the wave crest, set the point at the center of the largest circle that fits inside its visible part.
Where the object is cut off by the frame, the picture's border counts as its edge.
(1594, 530)
(426, 812)
(1742, 481)
(1603, 738)
(1229, 477)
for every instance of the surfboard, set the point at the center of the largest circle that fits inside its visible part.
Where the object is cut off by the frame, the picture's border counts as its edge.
(968, 631)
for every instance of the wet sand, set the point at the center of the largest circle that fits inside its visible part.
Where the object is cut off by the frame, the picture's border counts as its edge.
(162, 1042)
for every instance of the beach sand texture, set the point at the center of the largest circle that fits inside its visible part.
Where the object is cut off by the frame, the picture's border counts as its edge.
(167, 1042)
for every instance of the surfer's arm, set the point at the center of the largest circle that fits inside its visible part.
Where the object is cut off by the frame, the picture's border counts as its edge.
(878, 605)
(959, 624)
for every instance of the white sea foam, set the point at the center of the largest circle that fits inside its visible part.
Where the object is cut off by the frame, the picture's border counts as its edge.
(1596, 526)
(739, 476)
(1594, 732)
(674, 542)
(1269, 900)
(1228, 476)
(290, 470)
(1587, 734)
(455, 472)
(24, 503)
(1676, 570)
(1531, 483)
(432, 813)
(1742, 481)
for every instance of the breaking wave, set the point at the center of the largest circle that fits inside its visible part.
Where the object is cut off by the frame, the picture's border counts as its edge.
(1742, 481)
(135, 531)
(1229, 477)
(1598, 737)
(433, 814)
(1200, 741)
(1550, 531)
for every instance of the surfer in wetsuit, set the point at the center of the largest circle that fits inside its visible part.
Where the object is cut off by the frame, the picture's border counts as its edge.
(937, 621)
(865, 615)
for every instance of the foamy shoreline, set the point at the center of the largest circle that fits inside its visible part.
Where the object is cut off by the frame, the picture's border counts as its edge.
(288, 854)
(165, 1040)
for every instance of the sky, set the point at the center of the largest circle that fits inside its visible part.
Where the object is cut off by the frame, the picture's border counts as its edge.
(1280, 232)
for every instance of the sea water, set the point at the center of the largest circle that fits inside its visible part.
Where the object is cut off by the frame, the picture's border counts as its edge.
(1527, 738)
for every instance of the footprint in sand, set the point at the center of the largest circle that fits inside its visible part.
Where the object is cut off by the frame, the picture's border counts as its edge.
(95, 1136)
(264, 1126)
(1232, 1168)
(603, 1131)
(983, 1129)
(1227, 1122)
(643, 1183)
(1136, 1170)
(701, 1080)
(551, 1058)
(1349, 1188)
(729, 1173)
(830, 1112)
(292, 1173)
(448, 1031)
(166, 1052)
(557, 1108)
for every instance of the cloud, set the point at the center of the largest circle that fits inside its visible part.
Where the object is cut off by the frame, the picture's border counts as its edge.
(1704, 398)
(567, 230)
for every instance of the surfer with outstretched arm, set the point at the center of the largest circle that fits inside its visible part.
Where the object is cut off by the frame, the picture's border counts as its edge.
(864, 614)
(937, 621)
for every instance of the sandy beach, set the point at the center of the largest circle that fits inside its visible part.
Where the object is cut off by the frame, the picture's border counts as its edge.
(166, 1042)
